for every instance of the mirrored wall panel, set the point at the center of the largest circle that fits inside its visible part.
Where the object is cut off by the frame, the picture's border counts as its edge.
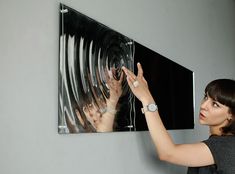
(93, 92)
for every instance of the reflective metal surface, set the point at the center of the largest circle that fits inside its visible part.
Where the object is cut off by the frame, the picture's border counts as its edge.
(93, 93)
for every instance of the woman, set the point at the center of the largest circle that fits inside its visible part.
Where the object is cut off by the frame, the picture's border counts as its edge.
(215, 155)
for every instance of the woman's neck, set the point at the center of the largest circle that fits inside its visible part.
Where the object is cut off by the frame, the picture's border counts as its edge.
(215, 130)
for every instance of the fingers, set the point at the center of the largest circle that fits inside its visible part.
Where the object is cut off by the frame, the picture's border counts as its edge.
(130, 75)
(130, 82)
(140, 70)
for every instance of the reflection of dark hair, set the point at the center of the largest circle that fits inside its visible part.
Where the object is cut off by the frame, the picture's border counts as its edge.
(87, 126)
(223, 91)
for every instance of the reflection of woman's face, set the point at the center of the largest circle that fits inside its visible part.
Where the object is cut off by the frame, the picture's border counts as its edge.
(92, 114)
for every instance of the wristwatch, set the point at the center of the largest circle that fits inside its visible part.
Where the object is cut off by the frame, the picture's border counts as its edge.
(150, 107)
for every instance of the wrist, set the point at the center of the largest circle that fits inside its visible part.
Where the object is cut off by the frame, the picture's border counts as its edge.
(111, 110)
(147, 101)
(112, 106)
(152, 107)
(112, 103)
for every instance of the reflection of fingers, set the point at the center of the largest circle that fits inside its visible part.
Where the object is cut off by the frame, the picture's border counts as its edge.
(113, 70)
(110, 82)
(110, 73)
(111, 88)
(106, 74)
(121, 77)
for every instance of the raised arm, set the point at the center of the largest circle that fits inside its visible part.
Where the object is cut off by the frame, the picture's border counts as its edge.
(115, 91)
(197, 154)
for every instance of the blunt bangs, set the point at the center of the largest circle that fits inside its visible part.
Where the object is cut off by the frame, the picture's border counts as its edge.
(223, 91)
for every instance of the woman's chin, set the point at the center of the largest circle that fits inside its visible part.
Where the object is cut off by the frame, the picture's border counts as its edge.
(202, 122)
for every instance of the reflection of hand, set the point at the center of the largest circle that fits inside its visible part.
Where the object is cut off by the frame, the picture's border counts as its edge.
(115, 89)
(100, 123)
(141, 91)
(115, 92)
(104, 122)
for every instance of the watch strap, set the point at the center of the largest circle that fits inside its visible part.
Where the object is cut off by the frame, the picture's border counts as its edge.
(146, 109)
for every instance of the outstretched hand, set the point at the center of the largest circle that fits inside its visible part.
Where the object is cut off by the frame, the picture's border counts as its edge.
(115, 88)
(139, 85)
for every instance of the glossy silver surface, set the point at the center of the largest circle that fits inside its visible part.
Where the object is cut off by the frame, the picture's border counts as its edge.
(90, 59)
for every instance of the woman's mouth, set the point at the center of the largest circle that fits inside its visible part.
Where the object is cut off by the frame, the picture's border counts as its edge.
(201, 116)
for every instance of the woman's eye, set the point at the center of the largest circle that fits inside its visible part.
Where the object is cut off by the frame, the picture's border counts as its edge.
(215, 104)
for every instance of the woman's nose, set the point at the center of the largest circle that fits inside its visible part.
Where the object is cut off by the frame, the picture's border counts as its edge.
(204, 104)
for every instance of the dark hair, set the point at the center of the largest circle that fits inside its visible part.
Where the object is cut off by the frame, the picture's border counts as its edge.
(223, 91)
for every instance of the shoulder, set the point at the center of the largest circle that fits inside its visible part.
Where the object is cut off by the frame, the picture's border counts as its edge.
(221, 143)
(229, 139)
(222, 149)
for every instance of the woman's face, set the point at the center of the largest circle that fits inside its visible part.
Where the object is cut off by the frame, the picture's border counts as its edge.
(213, 113)
(92, 114)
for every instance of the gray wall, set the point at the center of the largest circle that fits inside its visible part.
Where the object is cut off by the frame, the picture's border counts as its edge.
(198, 34)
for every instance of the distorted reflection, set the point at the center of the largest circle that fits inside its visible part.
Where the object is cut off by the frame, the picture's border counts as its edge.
(93, 93)
(92, 90)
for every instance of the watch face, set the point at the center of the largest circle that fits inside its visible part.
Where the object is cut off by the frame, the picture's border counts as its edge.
(152, 107)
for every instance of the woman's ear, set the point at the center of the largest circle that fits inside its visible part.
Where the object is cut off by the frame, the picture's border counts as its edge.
(230, 117)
